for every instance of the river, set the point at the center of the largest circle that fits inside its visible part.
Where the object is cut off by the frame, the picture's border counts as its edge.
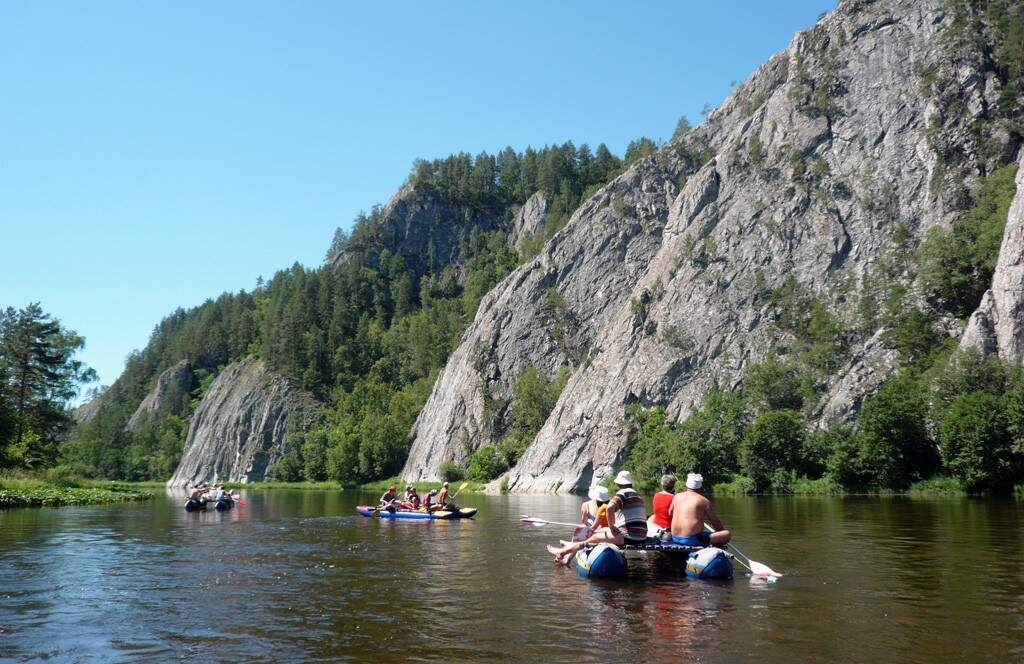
(296, 575)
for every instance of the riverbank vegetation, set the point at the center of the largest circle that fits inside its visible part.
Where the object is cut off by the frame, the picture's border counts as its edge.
(56, 487)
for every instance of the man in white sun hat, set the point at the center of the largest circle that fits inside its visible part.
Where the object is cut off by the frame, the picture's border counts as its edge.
(627, 521)
(690, 510)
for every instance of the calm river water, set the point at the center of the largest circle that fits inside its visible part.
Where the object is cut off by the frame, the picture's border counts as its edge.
(296, 575)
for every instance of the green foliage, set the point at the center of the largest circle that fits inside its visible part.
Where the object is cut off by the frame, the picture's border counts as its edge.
(287, 469)
(486, 463)
(773, 443)
(955, 266)
(892, 444)
(755, 151)
(533, 397)
(451, 471)
(39, 375)
(706, 442)
(774, 385)
(976, 445)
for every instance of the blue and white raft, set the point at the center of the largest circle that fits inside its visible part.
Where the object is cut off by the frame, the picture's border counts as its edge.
(607, 561)
(604, 561)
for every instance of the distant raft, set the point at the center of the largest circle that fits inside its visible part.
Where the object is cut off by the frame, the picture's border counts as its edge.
(372, 511)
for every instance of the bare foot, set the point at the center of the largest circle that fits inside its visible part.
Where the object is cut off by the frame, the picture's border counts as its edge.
(556, 552)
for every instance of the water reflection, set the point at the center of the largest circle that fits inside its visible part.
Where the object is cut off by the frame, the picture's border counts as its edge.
(296, 575)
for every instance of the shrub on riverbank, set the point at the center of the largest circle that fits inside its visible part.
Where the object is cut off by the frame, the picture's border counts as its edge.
(39, 490)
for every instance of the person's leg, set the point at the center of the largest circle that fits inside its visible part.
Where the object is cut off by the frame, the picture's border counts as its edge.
(602, 536)
(720, 537)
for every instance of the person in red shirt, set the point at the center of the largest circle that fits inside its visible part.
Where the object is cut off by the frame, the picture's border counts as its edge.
(660, 505)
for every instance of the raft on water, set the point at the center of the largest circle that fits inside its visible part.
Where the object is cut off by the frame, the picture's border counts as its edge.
(607, 561)
(371, 510)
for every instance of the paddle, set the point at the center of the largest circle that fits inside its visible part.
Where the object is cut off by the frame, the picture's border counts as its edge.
(756, 568)
(536, 521)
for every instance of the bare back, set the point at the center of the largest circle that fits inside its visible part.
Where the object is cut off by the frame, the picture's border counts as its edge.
(689, 512)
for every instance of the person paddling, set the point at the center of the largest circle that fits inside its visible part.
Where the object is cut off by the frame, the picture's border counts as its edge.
(442, 496)
(689, 510)
(660, 505)
(428, 501)
(627, 519)
(387, 501)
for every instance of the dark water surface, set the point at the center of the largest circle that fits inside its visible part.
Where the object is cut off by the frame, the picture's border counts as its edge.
(296, 575)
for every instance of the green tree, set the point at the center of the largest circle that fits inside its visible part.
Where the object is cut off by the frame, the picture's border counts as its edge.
(40, 376)
(773, 442)
(486, 463)
(976, 444)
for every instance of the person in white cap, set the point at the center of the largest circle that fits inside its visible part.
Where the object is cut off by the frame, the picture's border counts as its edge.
(690, 510)
(593, 513)
(627, 521)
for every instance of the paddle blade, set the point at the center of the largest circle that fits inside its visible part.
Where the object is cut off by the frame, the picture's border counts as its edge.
(760, 569)
(463, 486)
(533, 521)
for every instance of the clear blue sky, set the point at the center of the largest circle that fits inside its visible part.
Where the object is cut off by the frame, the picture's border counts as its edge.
(153, 155)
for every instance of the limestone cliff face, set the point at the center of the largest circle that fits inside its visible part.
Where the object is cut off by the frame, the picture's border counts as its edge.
(819, 160)
(424, 226)
(238, 430)
(998, 324)
(529, 219)
(170, 394)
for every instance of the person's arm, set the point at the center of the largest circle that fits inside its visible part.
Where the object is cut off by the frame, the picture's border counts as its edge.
(583, 514)
(613, 507)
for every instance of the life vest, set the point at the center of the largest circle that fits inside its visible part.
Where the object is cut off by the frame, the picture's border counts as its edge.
(598, 519)
(660, 504)
(427, 502)
(631, 515)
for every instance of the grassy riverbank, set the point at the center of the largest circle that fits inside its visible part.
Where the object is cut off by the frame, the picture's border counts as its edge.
(52, 489)
(935, 486)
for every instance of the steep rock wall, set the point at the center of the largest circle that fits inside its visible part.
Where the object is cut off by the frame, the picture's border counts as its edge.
(238, 430)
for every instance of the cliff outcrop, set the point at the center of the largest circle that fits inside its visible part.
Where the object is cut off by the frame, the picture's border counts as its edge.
(238, 430)
(831, 154)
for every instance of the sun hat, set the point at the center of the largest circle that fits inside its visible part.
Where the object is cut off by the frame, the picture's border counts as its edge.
(694, 481)
(624, 477)
(445, 484)
(599, 493)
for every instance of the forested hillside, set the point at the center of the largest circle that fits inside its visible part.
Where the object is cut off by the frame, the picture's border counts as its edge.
(365, 332)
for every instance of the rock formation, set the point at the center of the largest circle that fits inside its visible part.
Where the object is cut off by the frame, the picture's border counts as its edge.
(803, 177)
(529, 219)
(238, 430)
(998, 324)
(424, 226)
(170, 394)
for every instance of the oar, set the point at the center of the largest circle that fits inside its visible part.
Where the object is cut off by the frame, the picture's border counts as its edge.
(536, 521)
(756, 568)
(461, 487)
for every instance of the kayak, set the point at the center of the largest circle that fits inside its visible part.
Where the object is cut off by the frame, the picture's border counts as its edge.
(604, 561)
(371, 510)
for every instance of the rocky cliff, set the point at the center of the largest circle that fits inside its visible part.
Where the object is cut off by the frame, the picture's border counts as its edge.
(169, 395)
(998, 324)
(857, 138)
(238, 430)
(424, 226)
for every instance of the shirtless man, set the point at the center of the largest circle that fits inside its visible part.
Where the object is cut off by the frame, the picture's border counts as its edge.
(689, 510)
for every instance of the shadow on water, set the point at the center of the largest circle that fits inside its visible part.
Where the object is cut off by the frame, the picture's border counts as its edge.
(296, 575)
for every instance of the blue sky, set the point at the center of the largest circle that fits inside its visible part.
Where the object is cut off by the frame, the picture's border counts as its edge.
(154, 155)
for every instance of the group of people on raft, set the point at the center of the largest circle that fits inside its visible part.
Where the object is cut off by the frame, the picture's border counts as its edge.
(204, 493)
(678, 518)
(432, 501)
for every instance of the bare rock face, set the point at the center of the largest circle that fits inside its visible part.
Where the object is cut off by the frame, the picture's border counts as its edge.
(170, 394)
(238, 430)
(425, 225)
(88, 411)
(529, 219)
(998, 324)
(545, 314)
(817, 162)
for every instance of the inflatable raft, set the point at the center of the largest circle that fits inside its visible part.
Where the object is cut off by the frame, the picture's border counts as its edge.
(607, 561)
(371, 510)
(195, 505)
